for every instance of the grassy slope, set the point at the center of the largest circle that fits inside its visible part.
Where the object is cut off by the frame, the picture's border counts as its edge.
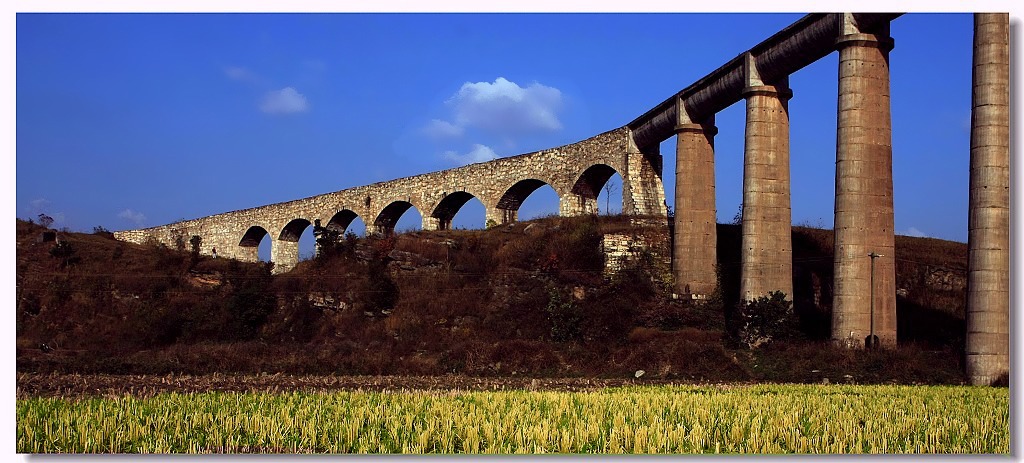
(522, 300)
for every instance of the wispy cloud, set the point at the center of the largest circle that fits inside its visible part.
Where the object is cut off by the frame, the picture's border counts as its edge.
(241, 74)
(505, 108)
(287, 100)
(237, 73)
(284, 101)
(38, 205)
(314, 65)
(479, 153)
(443, 129)
(914, 232)
(132, 216)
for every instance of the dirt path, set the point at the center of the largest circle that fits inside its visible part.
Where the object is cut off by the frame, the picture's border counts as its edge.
(73, 385)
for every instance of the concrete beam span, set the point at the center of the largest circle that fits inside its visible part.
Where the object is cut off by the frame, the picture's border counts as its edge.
(988, 278)
(804, 42)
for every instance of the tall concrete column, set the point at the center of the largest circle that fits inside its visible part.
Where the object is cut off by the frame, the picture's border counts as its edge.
(695, 237)
(988, 240)
(767, 249)
(864, 202)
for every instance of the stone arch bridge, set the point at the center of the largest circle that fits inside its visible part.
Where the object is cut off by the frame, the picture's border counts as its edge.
(576, 172)
(864, 299)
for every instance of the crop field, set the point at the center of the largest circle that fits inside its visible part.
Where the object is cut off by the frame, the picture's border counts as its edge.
(731, 419)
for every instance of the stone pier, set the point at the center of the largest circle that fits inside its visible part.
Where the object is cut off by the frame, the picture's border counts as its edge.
(864, 202)
(767, 245)
(988, 240)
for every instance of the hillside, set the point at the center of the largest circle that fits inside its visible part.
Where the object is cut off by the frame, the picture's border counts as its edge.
(529, 299)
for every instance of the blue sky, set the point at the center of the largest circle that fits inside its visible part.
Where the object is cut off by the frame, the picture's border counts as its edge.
(135, 120)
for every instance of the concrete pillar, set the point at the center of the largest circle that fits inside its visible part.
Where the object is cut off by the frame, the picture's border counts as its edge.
(284, 255)
(767, 249)
(498, 216)
(864, 202)
(694, 253)
(988, 277)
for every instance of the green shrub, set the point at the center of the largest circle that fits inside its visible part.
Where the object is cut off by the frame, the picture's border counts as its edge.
(564, 315)
(766, 319)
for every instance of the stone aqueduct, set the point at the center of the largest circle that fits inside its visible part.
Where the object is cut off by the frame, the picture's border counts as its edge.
(576, 172)
(863, 206)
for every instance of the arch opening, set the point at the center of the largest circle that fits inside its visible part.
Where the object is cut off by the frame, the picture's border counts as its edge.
(610, 197)
(293, 231)
(255, 245)
(394, 217)
(599, 181)
(515, 195)
(253, 236)
(450, 206)
(528, 199)
(307, 244)
(592, 180)
(341, 220)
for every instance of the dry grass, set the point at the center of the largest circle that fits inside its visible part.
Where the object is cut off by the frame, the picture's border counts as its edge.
(526, 299)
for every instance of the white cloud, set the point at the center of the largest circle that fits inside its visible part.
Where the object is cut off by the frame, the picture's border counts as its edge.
(132, 216)
(284, 101)
(238, 73)
(443, 129)
(479, 153)
(504, 107)
(915, 232)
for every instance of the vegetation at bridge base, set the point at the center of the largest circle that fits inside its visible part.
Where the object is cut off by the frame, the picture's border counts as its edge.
(767, 319)
(528, 299)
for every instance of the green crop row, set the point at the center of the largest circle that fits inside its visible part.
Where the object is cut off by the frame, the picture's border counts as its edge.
(763, 419)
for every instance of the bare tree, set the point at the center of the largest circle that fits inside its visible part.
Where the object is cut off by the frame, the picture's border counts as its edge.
(45, 220)
(609, 188)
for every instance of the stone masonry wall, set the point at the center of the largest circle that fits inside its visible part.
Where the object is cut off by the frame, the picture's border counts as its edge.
(622, 248)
